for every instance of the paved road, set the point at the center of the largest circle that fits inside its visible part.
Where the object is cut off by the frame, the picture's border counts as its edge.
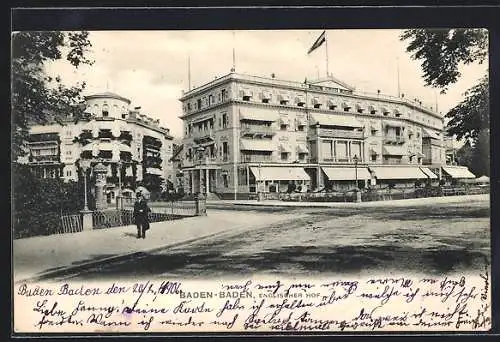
(436, 239)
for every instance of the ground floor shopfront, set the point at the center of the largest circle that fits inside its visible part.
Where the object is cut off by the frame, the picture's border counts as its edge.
(239, 181)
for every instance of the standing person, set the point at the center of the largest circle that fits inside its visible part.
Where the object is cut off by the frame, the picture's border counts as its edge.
(141, 211)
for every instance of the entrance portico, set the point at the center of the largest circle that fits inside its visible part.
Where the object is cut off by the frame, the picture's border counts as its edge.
(202, 178)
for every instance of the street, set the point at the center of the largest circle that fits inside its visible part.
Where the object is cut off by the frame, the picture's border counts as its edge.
(437, 239)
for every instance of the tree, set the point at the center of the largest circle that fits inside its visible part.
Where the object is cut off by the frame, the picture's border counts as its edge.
(442, 51)
(36, 97)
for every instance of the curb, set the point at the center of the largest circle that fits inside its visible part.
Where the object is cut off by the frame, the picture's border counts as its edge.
(86, 265)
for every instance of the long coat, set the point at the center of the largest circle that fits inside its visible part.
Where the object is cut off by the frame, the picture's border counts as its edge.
(141, 211)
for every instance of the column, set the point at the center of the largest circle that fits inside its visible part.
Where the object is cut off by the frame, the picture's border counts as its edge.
(349, 157)
(334, 150)
(207, 181)
(200, 184)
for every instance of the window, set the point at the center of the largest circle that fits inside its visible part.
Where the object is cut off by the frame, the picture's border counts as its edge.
(198, 103)
(283, 127)
(374, 157)
(189, 106)
(246, 98)
(68, 153)
(332, 107)
(346, 109)
(284, 156)
(283, 102)
(265, 100)
(124, 115)
(373, 111)
(225, 151)
(225, 180)
(302, 156)
(300, 104)
(317, 105)
(300, 128)
(210, 100)
(224, 95)
(225, 121)
(68, 173)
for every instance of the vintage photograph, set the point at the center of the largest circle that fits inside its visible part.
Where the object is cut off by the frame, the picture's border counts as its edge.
(261, 163)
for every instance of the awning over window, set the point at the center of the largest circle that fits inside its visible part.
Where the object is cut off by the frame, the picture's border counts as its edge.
(393, 123)
(302, 148)
(371, 108)
(299, 99)
(397, 172)
(154, 171)
(429, 134)
(256, 145)
(393, 151)
(346, 173)
(373, 127)
(429, 173)
(359, 106)
(266, 95)
(283, 97)
(246, 92)
(274, 173)
(384, 110)
(373, 151)
(284, 120)
(336, 120)
(315, 100)
(346, 104)
(458, 172)
(285, 148)
(331, 103)
(301, 122)
(258, 115)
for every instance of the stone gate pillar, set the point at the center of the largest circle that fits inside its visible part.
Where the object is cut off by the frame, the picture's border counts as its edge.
(100, 183)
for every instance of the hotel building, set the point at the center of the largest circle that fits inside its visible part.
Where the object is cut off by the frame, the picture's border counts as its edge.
(244, 134)
(132, 146)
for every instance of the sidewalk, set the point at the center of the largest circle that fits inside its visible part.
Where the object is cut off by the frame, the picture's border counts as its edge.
(390, 203)
(43, 255)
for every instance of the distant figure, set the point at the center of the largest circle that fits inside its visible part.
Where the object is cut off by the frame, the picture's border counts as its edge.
(141, 211)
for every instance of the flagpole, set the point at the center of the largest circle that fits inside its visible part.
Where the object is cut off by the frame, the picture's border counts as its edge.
(234, 55)
(397, 65)
(326, 48)
(189, 72)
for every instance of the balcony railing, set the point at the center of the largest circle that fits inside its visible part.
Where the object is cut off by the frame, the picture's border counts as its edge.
(255, 159)
(203, 135)
(338, 133)
(394, 140)
(44, 159)
(257, 130)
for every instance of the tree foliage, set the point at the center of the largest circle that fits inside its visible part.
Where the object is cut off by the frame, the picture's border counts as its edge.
(471, 116)
(36, 97)
(442, 51)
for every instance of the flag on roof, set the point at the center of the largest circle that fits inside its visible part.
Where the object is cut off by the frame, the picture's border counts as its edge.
(321, 39)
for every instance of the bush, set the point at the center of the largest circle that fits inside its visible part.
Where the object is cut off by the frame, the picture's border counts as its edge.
(38, 204)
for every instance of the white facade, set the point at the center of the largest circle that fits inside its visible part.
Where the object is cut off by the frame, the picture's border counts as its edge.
(117, 136)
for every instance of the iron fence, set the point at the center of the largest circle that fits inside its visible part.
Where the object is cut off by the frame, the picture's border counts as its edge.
(378, 194)
(70, 224)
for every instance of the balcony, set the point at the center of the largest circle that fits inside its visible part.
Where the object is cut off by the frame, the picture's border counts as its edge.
(339, 133)
(255, 131)
(245, 158)
(203, 136)
(44, 159)
(394, 140)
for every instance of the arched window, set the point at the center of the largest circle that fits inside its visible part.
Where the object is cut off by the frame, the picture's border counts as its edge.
(105, 110)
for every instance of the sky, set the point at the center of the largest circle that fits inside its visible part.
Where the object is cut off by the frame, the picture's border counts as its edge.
(151, 67)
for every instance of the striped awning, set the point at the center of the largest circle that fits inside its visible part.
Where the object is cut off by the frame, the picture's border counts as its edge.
(336, 120)
(458, 172)
(398, 172)
(346, 173)
(429, 173)
(256, 145)
(429, 134)
(275, 173)
(258, 115)
(302, 148)
(285, 148)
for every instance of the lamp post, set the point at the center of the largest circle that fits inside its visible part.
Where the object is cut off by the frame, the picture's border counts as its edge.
(259, 186)
(120, 203)
(358, 194)
(85, 164)
(86, 213)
